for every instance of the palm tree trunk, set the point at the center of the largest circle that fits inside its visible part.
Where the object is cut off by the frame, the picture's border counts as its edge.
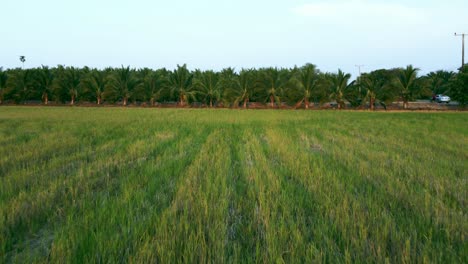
(306, 103)
(245, 103)
(152, 101)
(125, 101)
(272, 100)
(211, 103)
(98, 99)
(371, 102)
(298, 104)
(72, 100)
(46, 98)
(182, 102)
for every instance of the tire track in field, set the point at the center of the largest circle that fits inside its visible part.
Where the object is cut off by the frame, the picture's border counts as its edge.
(50, 204)
(274, 219)
(419, 216)
(397, 168)
(403, 158)
(302, 184)
(374, 203)
(53, 160)
(319, 183)
(377, 166)
(143, 192)
(245, 234)
(27, 213)
(41, 175)
(306, 193)
(57, 167)
(194, 227)
(360, 208)
(35, 151)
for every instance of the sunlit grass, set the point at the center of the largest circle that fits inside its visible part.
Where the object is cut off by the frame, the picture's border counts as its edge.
(180, 185)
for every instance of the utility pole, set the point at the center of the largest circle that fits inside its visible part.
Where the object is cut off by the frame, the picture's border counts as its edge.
(359, 66)
(463, 46)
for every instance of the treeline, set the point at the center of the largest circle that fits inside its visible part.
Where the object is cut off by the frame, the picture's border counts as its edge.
(296, 87)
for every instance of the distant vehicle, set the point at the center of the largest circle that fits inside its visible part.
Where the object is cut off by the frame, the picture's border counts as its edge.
(440, 98)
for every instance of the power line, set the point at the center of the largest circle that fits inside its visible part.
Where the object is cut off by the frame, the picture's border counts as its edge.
(463, 46)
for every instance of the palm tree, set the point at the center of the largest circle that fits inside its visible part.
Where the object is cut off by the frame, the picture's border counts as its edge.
(71, 82)
(3, 81)
(22, 59)
(339, 86)
(405, 83)
(45, 81)
(208, 86)
(20, 84)
(154, 83)
(305, 81)
(94, 82)
(227, 73)
(374, 88)
(140, 93)
(240, 88)
(67, 83)
(439, 80)
(180, 84)
(122, 84)
(458, 87)
(272, 82)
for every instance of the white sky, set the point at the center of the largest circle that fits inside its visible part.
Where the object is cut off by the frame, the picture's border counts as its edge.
(213, 34)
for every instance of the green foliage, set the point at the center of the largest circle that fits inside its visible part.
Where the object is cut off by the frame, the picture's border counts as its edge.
(304, 86)
(438, 82)
(94, 84)
(154, 83)
(240, 88)
(458, 87)
(113, 185)
(180, 85)
(121, 84)
(208, 86)
(3, 82)
(18, 85)
(339, 88)
(272, 87)
(406, 85)
(44, 82)
(67, 83)
(376, 89)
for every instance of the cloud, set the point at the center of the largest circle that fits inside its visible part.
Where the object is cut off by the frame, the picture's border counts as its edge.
(362, 11)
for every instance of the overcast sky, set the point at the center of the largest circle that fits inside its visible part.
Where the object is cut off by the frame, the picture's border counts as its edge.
(213, 34)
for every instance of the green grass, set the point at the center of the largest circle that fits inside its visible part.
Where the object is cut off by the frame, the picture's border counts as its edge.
(178, 185)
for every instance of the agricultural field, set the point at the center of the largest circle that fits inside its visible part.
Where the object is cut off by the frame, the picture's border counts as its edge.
(227, 186)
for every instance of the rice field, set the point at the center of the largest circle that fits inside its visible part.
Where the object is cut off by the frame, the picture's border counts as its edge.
(227, 186)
